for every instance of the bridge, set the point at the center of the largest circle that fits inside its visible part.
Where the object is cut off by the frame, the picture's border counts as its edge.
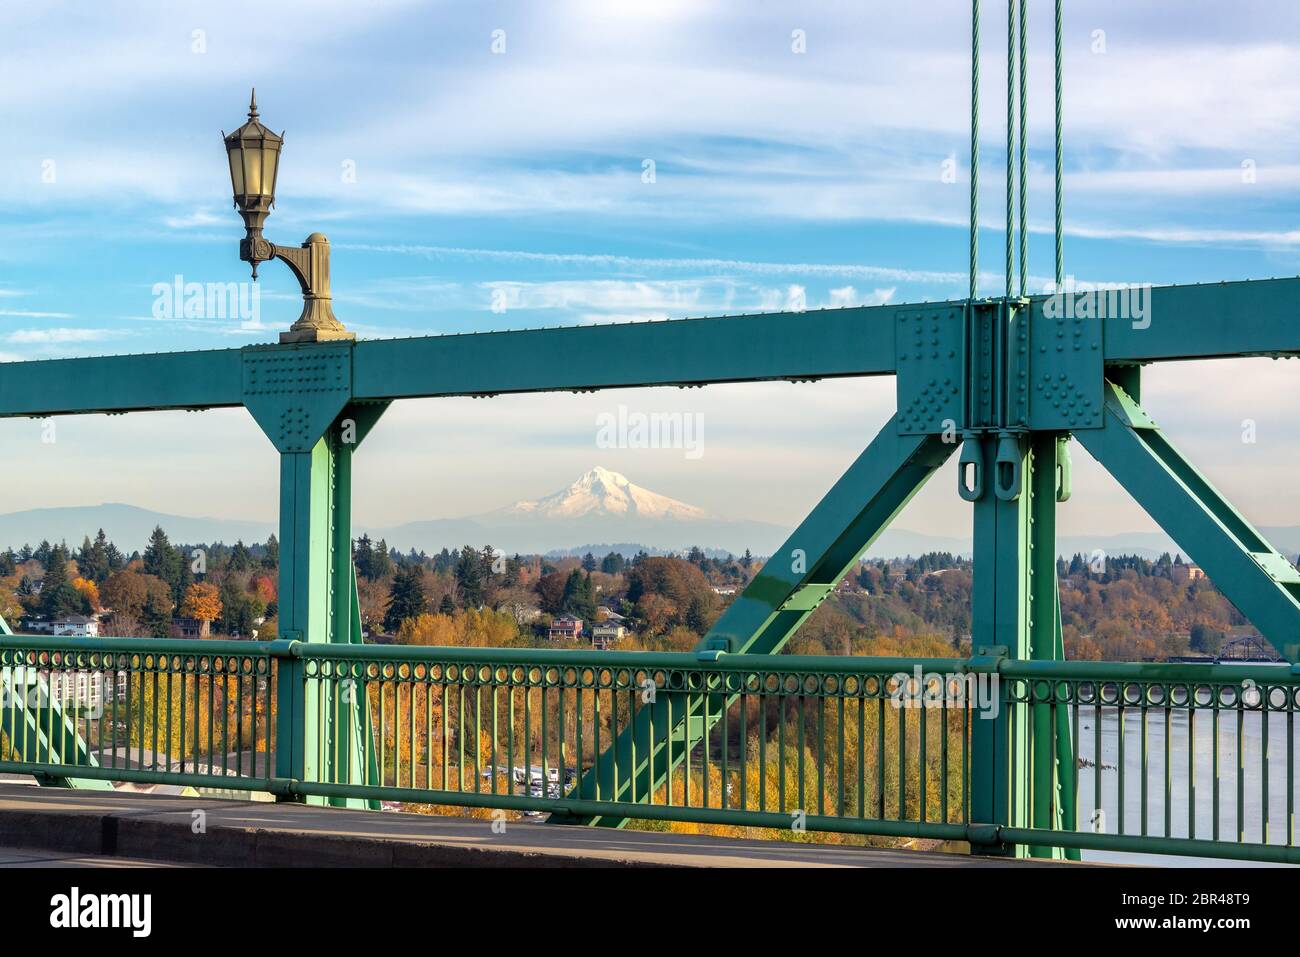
(1012, 751)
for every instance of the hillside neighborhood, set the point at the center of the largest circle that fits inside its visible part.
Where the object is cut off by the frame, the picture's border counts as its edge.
(1129, 608)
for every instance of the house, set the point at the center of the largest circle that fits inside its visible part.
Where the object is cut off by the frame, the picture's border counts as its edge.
(723, 590)
(1188, 573)
(191, 628)
(605, 633)
(72, 626)
(609, 614)
(565, 628)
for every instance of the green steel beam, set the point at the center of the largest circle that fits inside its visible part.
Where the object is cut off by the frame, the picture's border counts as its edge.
(1210, 321)
(1255, 317)
(784, 345)
(1253, 575)
(790, 586)
(138, 383)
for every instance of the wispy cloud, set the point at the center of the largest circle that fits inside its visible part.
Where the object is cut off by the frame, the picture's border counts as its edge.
(59, 336)
(650, 264)
(31, 314)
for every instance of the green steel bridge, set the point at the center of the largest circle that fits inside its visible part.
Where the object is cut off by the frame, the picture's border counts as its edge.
(1013, 750)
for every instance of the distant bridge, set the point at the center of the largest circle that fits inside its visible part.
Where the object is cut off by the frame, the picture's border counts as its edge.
(1244, 648)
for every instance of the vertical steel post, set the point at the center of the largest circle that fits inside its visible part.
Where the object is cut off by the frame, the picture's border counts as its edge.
(317, 605)
(1000, 783)
(1049, 746)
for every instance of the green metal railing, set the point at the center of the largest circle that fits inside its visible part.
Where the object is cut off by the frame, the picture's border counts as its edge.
(1185, 759)
(784, 742)
(1167, 758)
(196, 713)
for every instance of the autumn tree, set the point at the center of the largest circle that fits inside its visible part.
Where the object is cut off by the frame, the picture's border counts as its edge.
(124, 593)
(88, 590)
(202, 601)
(550, 592)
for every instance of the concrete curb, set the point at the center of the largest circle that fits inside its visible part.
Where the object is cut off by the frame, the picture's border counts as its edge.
(128, 835)
(161, 827)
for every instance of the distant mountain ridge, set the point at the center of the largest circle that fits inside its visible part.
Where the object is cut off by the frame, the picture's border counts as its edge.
(599, 506)
(128, 526)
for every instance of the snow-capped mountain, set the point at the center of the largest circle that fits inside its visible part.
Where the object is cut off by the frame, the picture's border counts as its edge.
(600, 506)
(602, 492)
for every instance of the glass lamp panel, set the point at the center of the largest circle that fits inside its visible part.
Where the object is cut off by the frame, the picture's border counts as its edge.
(237, 170)
(270, 159)
(253, 169)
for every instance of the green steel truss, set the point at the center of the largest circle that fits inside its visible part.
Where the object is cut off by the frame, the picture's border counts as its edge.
(1010, 380)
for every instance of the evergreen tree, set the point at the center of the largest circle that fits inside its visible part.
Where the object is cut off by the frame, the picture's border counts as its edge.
(161, 560)
(612, 564)
(241, 559)
(589, 562)
(93, 558)
(184, 577)
(363, 556)
(381, 563)
(697, 615)
(58, 597)
(470, 578)
(579, 599)
(406, 598)
(156, 617)
(271, 556)
(238, 608)
(447, 606)
(489, 562)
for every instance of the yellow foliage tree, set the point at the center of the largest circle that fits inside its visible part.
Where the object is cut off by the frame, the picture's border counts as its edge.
(89, 589)
(202, 601)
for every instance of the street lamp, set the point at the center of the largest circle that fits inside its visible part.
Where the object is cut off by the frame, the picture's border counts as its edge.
(254, 154)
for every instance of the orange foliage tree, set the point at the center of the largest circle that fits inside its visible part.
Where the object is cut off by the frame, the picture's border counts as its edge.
(202, 601)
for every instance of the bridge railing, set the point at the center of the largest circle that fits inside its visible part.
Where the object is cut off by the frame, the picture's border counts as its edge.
(752, 741)
(198, 713)
(1154, 758)
(1189, 759)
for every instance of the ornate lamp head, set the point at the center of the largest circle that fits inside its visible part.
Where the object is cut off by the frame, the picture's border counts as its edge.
(254, 154)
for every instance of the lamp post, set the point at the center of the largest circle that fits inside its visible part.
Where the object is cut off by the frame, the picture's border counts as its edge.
(254, 154)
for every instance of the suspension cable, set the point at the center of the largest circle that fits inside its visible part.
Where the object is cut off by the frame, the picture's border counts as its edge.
(1060, 258)
(1011, 144)
(1024, 147)
(975, 147)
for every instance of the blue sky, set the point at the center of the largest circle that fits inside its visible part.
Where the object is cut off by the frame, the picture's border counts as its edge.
(780, 178)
